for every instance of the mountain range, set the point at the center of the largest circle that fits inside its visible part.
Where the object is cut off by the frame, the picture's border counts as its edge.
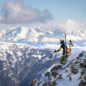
(46, 35)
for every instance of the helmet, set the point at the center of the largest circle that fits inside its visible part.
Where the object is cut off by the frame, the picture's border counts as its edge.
(70, 41)
(61, 41)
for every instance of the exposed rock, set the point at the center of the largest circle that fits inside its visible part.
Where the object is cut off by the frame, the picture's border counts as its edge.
(85, 78)
(76, 62)
(60, 76)
(47, 74)
(72, 67)
(56, 67)
(84, 61)
(54, 82)
(33, 82)
(45, 84)
(83, 72)
(51, 84)
(80, 55)
(83, 65)
(81, 83)
(75, 71)
(70, 78)
(54, 74)
(66, 71)
(70, 63)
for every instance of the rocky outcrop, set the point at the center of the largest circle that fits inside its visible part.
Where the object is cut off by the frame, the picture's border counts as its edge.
(60, 73)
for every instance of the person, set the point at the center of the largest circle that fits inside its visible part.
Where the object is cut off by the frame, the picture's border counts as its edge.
(70, 45)
(65, 51)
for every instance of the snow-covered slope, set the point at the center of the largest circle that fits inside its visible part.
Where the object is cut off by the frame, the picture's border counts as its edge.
(20, 63)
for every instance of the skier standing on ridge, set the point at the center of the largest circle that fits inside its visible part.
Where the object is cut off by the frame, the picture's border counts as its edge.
(70, 45)
(65, 51)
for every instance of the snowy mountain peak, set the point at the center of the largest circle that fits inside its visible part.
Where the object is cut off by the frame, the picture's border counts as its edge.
(10, 35)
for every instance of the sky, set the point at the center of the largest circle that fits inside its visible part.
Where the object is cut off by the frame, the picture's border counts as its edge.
(24, 11)
(62, 9)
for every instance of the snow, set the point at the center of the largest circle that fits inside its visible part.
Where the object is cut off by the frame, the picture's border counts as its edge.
(47, 39)
(42, 71)
(37, 56)
(9, 47)
(75, 38)
(19, 53)
(51, 46)
(22, 34)
(76, 50)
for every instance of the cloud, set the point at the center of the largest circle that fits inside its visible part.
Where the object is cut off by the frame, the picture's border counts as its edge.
(16, 12)
(71, 24)
(0, 17)
(47, 39)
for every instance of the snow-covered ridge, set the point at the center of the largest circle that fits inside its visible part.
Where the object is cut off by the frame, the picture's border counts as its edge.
(73, 73)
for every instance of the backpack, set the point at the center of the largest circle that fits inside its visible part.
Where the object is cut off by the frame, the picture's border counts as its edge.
(66, 50)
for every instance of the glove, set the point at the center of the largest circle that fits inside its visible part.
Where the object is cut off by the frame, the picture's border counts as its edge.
(56, 51)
